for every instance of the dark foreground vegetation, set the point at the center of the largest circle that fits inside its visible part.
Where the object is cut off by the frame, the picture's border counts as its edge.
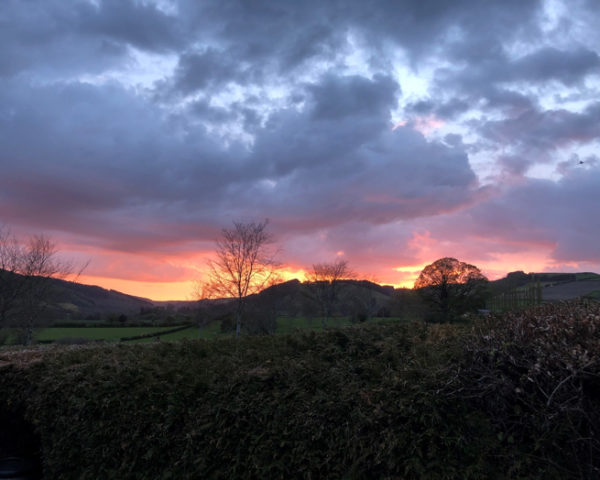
(510, 397)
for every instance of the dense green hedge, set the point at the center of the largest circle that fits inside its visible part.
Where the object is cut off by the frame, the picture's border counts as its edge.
(364, 402)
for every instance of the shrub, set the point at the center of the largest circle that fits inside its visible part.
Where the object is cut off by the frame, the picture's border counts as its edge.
(392, 400)
(351, 403)
(536, 375)
(73, 341)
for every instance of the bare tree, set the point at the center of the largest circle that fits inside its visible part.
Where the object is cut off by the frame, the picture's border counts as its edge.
(325, 280)
(244, 265)
(25, 273)
(10, 266)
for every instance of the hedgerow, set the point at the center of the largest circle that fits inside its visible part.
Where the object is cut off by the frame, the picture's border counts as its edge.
(536, 375)
(372, 401)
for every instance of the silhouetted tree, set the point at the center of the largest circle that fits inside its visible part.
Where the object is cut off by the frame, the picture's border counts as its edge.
(244, 265)
(451, 287)
(325, 283)
(10, 266)
(25, 273)
(364, 299)
(407, 304)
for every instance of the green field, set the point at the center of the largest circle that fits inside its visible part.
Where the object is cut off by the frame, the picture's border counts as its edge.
(192, 333)
(97, 333)
(587, 276)
(111, 334)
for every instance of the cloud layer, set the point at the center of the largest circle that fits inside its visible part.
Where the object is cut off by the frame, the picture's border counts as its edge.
(133, 131)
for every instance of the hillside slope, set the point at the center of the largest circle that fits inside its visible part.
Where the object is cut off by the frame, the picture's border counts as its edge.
(555, 286)
(79, 300)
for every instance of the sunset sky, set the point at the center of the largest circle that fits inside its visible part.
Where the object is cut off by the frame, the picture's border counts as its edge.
(388, 133)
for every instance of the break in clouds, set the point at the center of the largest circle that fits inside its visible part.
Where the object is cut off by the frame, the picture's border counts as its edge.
(395, 132)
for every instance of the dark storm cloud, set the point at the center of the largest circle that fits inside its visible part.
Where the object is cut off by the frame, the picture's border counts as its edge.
(336, 98)
(105, 152)
(542, 65)
(339, 159)
(273, 109)
(342, 113)
(206, 68)
(556, 214)
(248, 42)
(51, 38)
(80, 157)
(550, 63)
(534, 135)
(546, 129)
(141, 25)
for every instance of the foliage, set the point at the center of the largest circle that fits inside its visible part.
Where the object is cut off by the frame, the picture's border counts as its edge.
(509, 397)
(537, 375)
(25, 287)
(408, 304)
(451, 288)
(348, 403)
(257, 321)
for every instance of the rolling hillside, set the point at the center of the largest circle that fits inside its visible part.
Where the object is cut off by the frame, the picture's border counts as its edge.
(78, 301)
(555, 286)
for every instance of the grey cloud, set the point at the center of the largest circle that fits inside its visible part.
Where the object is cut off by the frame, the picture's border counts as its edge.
(543, 65)
(274, 39)
(139, 24)
(78, 157)
(52, 38)
(552, 64)
(491, 79)
(340, 115)
(391, 175)
(339, 97)
(549, 213)
(206, 68)
(442, 109)
(210, 113)
(83, 150)
(546, 130)
(319, 153)
(532, 218)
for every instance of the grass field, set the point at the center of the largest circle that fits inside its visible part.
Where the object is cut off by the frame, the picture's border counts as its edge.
(193, 333)
(110, 334)
(97, 333)
(284, 325)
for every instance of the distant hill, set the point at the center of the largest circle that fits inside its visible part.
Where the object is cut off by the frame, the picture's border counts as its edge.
(77, 300)
(294, 297)
(73, 300)
(555, 286)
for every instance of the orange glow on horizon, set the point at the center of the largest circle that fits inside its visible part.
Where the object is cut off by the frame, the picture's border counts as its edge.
(169, 290)
(160, 291)
(399, 276)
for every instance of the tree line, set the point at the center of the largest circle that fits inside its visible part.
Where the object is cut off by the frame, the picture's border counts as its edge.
(245, 264)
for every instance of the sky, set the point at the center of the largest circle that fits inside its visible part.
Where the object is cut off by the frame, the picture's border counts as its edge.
(386, 133)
